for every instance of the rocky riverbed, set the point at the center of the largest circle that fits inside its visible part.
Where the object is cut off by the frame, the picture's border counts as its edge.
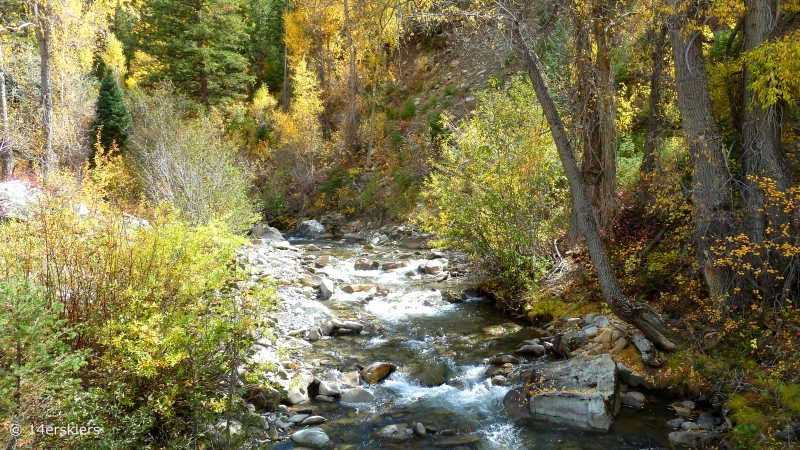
(384, 343)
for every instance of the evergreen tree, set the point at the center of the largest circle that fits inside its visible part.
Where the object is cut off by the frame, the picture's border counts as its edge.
(112, 119)
(265, 48)
(198, 46)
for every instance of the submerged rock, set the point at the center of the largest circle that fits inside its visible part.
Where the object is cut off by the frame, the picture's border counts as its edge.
(582, 392)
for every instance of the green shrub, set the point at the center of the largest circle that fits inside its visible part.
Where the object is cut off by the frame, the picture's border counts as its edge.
(158, 308)
(500, 193)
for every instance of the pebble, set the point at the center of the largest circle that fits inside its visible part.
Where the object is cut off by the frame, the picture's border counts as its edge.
(620, 345)
(591, 331)
(689, 426)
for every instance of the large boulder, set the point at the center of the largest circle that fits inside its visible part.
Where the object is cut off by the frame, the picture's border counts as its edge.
(16, 199)
(582, 392)
(433, 266)
(263, 231)
(357, 395)
(310, 229)
(311, 437)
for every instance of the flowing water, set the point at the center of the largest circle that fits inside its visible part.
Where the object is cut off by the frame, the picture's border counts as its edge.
(430, 341)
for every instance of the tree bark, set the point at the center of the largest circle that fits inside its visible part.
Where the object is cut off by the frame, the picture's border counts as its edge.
(652, 142)
(351, 122)
(44, 38)
(370, 149)
(711, 196)
(762, 154)
(6, 151)
(662, 331)
(607, 109)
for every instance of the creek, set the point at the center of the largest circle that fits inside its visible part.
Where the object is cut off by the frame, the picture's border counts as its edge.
(441, 351)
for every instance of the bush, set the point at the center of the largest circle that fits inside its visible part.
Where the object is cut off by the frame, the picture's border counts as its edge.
(157, 307)
(500, 194)
(188, 162)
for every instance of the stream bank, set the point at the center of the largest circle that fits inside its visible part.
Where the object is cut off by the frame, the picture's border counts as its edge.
(452, 376)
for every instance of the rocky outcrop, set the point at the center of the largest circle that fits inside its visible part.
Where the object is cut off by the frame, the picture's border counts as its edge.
(16, 199)
(265, 232)
(582, 392)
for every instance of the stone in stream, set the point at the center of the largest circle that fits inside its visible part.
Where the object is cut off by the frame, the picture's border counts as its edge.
(312, 308)
(313, 420)
(419, 430)
(357, 395)
(430, 375)
(351, 288)
(637, 395)
(310, 229)
(454, 441)
(313, 335)
(674, 423)
(281, 245)
(273, 434)
(298, 418)
(395, 433)
(433, 266)
(516, 403)
(689, 404)
(324, 398)
(312, 248)
(365, 264)
(582, 392)
(311, 437)
(329, 390)
(393, 265)
(503, 359)
(452, 297)
(377, 372)
(684, 437)
(631, 401)
(689, 426)
(326, 288)
(533, 350)
(263, 231)
(706, 421)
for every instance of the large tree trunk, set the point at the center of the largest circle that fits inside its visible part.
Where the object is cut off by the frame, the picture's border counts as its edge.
(351, 139)
(652, 141)
(711, 197)
(370, 148)
(6, 151)
(44, 38)
(762, 154)
(607, 108)
(657, 328)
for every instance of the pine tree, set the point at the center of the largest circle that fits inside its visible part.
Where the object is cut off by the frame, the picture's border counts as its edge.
(112, 119)
(198, 46)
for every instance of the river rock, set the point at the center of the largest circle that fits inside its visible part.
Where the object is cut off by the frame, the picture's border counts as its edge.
(582, 392)
(674, 423)
(312, 248)
(636, 395)
(310, 229)
(351, 288)
(311, 437)
(357, 395)
(395, 433)
(434, 374)
(415, 243)
(434, 266)
(326, 288)
(282, 245)
(455, 441)
(365, 264)
(689, 426)
(620, 345)
(628, 376)
(650, 355)
(298, 418)
(600, 321)
(706, 421)
(452, 297)
(419, 430)
(312, 308)
(263, 231)
(631, 401)
(377, 372)
(532, 350)
(689, 404)
(683, 437)
(393, 265)
(273, 434)
(329, 390)
(313, 335)
(591, 331)
(314, 420)
(683, 412)
(516, 403)
(503, 359)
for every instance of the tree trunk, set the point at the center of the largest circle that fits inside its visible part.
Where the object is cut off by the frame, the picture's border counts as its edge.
(44, 38)
(351, 122)
(762, 154)
(711, 197)
(370, 149)
(285, 87)
(662, 331)
(6, 151)
(606, 202)
(652, 141)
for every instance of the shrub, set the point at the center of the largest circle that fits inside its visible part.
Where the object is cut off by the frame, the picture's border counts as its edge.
(188, 162)
(158, 308)
(500, 193)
